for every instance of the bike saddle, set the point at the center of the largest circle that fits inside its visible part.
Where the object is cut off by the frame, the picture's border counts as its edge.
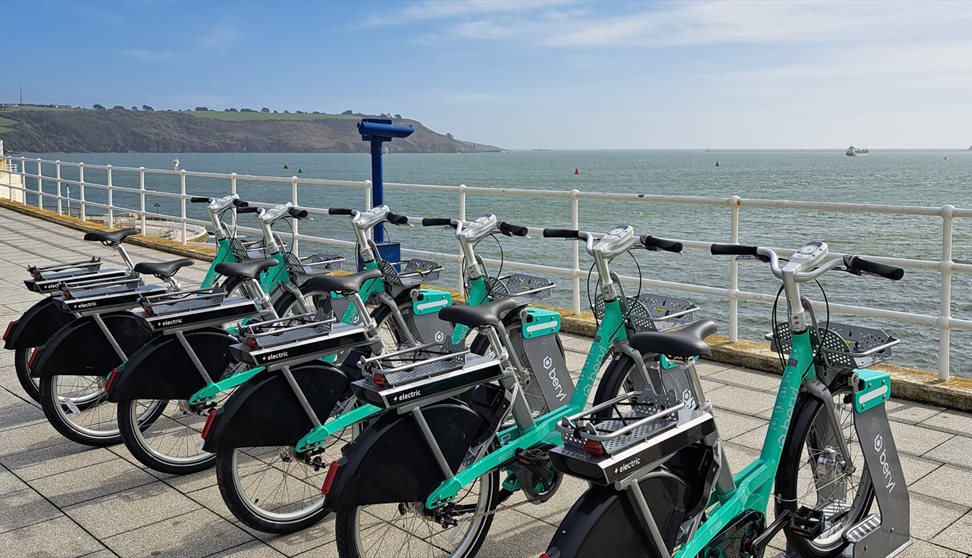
(686, 342)
(491, 313)
(110, 237)
(162, 270)
(343, 283)
(247, 270)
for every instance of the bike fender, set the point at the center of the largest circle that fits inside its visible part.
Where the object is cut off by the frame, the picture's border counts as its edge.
(390, 460)
(81, 349)
(162, 369)
(606, 522)
(37, 325)
(265, 411)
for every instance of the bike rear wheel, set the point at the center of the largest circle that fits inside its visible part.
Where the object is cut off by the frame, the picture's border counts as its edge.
(408, 529)
(77, 407)
(30, 384)
(815, 473)
(170, 444)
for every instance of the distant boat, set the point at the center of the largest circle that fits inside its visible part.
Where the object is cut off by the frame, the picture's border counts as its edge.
(854, 152)
(970, 148)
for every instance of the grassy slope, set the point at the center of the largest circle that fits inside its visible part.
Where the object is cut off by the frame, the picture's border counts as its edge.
(267, 116)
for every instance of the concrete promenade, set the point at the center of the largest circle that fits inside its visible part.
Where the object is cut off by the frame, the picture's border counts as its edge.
(58, 498)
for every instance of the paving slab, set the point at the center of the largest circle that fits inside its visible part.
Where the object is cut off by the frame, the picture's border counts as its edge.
(25, 507)
(57, 538)
(947, 483)
(192, 535)
(956, 536)
(91, 482)
(130, 509)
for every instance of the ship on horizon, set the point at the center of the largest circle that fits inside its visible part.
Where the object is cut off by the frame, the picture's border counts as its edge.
(854, 152)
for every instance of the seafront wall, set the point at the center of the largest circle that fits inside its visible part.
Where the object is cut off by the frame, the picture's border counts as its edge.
(907, 383)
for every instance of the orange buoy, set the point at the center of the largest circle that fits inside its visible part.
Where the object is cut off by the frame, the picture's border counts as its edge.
(576, 171)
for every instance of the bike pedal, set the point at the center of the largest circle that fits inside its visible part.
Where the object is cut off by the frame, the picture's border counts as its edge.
(807, 523)
(857, 532)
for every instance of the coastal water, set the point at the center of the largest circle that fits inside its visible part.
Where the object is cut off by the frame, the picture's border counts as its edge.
(926, 178)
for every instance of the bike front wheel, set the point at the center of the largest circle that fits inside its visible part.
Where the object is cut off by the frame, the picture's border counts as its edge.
(408, 529)
(816, 473)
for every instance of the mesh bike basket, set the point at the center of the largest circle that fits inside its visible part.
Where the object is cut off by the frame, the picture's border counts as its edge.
(309, 265)
(843, 346)
(652, 312)
(408, 273)
(525, 287)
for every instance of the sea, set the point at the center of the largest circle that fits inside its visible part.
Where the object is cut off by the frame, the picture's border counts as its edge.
(916, 178)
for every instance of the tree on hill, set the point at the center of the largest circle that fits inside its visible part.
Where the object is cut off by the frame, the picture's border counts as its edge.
(201, 109)
(247, 110)
(134, 108)
(147, 108)
(264, 109)
(98, 107)
(347, 113)
(231, 109)
(117, 107)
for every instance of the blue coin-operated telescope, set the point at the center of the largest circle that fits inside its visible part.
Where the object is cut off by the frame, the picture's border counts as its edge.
(378, 131)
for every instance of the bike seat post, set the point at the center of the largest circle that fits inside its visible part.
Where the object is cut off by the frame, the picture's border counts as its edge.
(367, 321)
(123, 254)
(500, 343)
(256, 293)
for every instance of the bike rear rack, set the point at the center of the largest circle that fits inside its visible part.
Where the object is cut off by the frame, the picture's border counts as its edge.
(304, 337)
(184, 310)
(49, 278)
(430, 379)
(606, 444)
(104, 296)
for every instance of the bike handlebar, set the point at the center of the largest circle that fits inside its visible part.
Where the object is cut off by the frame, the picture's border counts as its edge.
(397, 219)
(511, 229)
(858, 265)
(298, 213)
(733, 250)
(437, 222)
(240, 203)
(562, 233)
(653, 243)
(199, 199)
(248, 209)
(340, 211)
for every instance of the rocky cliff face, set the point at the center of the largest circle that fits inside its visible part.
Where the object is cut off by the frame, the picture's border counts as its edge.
(89, 130)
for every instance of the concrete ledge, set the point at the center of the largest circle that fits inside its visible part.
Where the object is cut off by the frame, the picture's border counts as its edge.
(198, 252)
(906, 383)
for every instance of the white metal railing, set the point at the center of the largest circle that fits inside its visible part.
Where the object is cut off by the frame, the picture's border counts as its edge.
(945, 266)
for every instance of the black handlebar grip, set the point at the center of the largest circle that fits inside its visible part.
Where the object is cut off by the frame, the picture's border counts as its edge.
(437, 222)
(510, 228)
(653, 243)
(857, 264)
(240, 203)
(339, 211)
(248, 209)
(298, 213)
(561, 233)
(733, 250)
(199, 199)
(396, 219)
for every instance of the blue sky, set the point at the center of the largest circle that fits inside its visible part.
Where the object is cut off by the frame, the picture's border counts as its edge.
(526, 74)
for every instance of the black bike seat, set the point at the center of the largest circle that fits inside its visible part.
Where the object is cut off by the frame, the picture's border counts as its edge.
(247, 270)
(110, 237)
(343, 283)
(491, 313)
(162, 270)
(686, 342)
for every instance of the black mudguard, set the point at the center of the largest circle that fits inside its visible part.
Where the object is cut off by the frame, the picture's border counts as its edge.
(265, 411)
(390, 461)
(37, 325)
(81, 349)
(162, 369)
(605, 522)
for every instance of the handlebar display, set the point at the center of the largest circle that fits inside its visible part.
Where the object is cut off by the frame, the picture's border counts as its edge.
(653, 243)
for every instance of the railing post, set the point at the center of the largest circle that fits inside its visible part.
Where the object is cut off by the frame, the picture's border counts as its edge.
(295, 246)
(575, 255)
(182, 202)
(57, 179)
(462, 217)
(734, 203)
(111, 214)
(40, 184)
(9, 179)
(83, 212)
(233, 192)
(945, 313)
(367, 191)
(23, 178)
(141, 195)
